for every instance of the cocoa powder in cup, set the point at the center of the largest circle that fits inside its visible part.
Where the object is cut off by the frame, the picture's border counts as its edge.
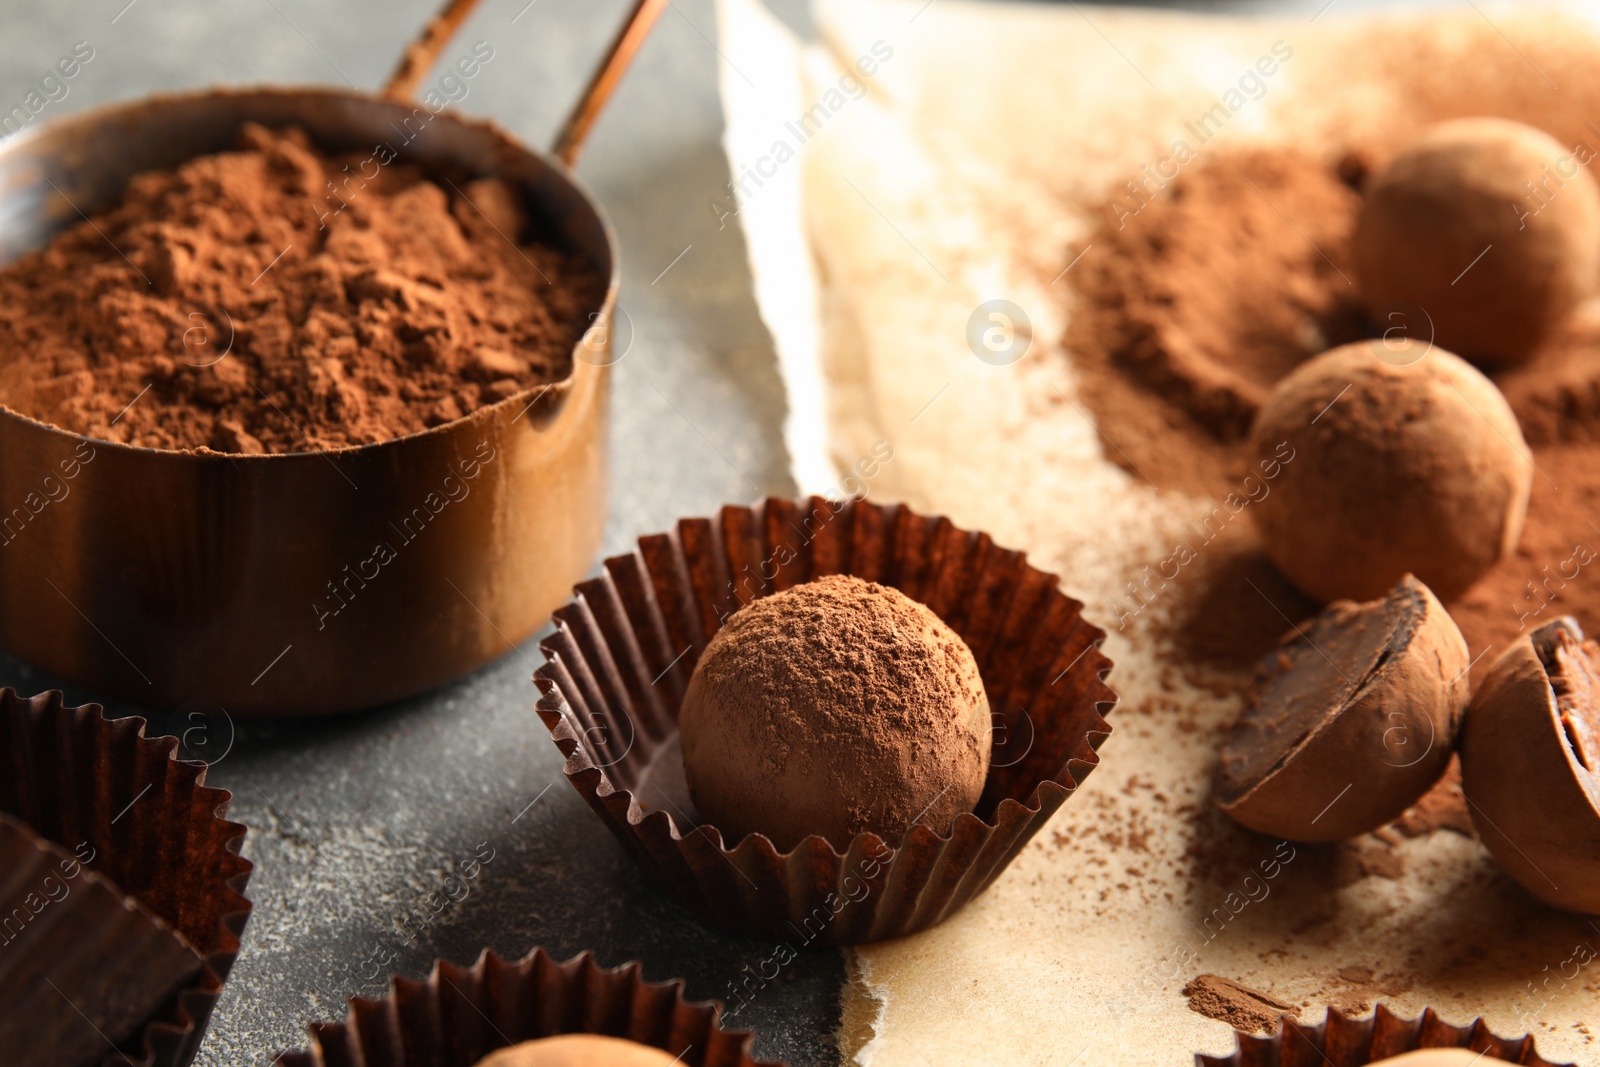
(277, 298)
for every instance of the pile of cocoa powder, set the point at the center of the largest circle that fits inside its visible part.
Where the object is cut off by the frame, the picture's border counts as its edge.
(1222, 284)
(276, 298)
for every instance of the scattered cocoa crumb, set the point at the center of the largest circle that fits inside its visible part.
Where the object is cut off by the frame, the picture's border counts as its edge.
(1367, 859)
(1351, 1003)
(1396, 985)
(1237, 1005)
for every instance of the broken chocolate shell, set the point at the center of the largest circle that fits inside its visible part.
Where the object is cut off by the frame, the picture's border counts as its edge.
(1349, 721)
(1530, 755)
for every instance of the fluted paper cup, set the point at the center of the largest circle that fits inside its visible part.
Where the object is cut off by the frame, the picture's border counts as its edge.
(617, 667)
(96, 792)
(1344, 1042)
(459, 1015)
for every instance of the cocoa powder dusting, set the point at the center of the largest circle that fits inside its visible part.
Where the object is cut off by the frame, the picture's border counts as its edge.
(1209, 295)
(1443, 807)
(1205, 298)
(236, 304)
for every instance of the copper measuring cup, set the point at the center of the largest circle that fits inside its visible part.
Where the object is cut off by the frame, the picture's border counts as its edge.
(165, 577)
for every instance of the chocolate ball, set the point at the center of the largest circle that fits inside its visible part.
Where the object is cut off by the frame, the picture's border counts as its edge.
(837, 707)
(1395, 459)
(1488, 188)
(1349, 722)
(579, 1050)
(1530, 764)
(1441, 1057)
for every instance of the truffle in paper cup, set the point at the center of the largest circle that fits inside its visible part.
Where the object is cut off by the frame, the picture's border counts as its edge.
(1346, 1042)
(620, 660)
(459, 1015)
(157, 855)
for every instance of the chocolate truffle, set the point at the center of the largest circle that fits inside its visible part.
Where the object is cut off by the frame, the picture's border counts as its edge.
(1404, 459)
(1491, 227)
(1441, 1057)
(1349, 721)
(1530, 756)
(579, 1050)
(837, 707)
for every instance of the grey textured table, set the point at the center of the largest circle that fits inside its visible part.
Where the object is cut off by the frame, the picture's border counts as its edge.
(355, 820)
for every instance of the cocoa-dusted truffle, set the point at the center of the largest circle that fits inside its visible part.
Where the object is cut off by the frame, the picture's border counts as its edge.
(1440, 1057)
(837, 707)
(1490, 226)
(579, 1050)
(1530, 764)
(1404, 459)
(1349, 721)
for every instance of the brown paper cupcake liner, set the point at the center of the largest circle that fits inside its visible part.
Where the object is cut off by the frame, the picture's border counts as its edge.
(617, 667)
(102, 792)
(1344, 1042)
(459, 1015)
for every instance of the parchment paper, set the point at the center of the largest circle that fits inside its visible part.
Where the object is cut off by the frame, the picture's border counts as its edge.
(962, 170)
